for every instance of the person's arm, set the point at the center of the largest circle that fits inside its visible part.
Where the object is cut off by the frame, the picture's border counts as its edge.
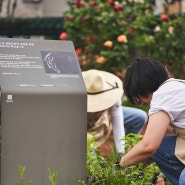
(156, 129)
(118, 126)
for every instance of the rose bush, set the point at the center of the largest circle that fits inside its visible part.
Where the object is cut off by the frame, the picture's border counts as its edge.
(107, 34)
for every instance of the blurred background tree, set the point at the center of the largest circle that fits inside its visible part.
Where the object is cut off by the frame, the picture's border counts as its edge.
(107, 34)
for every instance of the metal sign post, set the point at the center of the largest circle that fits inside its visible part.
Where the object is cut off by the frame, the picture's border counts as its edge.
(43, 111)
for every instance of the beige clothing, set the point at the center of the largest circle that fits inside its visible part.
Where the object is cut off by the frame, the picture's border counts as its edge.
(180, 144)
(180, 132)
(102, 128)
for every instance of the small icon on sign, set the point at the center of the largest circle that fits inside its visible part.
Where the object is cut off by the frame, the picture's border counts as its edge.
(9, 98)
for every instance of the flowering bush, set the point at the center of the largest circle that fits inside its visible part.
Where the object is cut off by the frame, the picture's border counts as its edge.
(107, 34)
(168, 45)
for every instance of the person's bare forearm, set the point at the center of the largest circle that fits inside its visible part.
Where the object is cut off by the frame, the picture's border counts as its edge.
(137, 154)
(156, 129)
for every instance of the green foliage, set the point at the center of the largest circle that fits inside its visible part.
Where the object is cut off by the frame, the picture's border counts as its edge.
(53, 176)
(131, 29)
(22, 171)
(127, 103)
(101, 170)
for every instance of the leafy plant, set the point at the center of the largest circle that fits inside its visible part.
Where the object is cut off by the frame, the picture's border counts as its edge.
(53, 176)
(22, 171)
(101, 170)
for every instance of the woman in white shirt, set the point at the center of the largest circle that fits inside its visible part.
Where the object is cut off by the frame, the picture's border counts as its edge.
(147, 81)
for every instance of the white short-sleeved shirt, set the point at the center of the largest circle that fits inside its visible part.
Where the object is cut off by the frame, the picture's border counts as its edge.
(170, 97)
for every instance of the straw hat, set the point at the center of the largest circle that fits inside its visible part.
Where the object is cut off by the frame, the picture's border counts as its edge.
(103, 89)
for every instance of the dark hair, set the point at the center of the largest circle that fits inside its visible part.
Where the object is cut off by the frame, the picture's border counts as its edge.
(142, 77)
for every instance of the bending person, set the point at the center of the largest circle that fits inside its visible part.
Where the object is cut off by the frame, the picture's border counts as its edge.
(105, 111)
(147, 81)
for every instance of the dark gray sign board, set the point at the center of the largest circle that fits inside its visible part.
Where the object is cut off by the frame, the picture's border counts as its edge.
(43, 111)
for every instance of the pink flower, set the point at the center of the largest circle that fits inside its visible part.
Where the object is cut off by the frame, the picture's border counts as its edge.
(63, 36)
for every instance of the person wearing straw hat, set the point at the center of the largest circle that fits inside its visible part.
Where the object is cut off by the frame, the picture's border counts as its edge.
(105, 111)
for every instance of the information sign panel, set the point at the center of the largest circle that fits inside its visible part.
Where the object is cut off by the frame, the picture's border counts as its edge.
(43, 111)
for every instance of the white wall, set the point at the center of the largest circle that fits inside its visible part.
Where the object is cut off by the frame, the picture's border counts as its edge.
(52, 8)
(49, 8)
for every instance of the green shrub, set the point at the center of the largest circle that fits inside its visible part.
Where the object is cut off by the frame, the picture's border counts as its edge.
(107, 34)
(102, 170)
(126, 102)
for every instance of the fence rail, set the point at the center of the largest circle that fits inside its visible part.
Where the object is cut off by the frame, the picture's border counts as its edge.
(46, 26)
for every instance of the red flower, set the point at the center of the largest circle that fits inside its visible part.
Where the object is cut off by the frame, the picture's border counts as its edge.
(89, 39)
(93, 4)
(69, 18)
(170, 63)
(118, 8)
(121, 8)
(132, 30)
(171, 75)
(86, 48)
(111, 1)
(78, 51)
(63, 36)
(84, 19)
(79, 4)
(164, 17)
